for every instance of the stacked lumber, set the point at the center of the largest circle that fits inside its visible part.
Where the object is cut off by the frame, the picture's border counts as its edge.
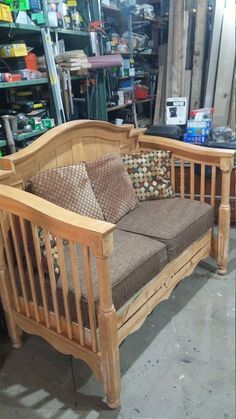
(198, 62)
(74, 61)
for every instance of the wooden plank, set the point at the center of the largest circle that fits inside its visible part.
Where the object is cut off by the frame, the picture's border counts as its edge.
(214, 52)
(169, 51)
(177, 45)
(225, 67)
(213, 185)
(158, 96)
(9, 256)
(30, 268)
(202, 182)
(90, 297)
(52, 278)
(76, 282)
(192, 180)
(198, 53)
(187, 85)
(64, 283)
(41, 276)
(19, 263)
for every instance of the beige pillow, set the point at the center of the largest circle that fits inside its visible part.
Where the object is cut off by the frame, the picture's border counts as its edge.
(112, 187)
(150, 174)
(69, 187)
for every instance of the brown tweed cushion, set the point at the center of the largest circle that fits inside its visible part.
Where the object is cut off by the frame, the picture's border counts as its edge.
(112, 187)
(69, 187)
(150, 174)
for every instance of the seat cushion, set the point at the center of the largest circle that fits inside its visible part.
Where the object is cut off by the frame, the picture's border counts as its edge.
(112, 186)
(134, 262)
(176, 222)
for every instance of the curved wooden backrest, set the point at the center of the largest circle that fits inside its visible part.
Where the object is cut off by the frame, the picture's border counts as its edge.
(66, 144)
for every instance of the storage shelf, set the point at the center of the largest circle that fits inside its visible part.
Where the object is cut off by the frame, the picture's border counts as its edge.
(28, 135)
(21, 83)
(69, 32)
(115, 108)
(20, 27)
(142, 101)
(114, 10)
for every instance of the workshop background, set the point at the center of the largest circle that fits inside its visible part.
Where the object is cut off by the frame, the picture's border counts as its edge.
(164, 65)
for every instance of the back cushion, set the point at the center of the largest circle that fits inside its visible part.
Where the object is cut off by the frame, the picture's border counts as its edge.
(112, 186)
(69, 187)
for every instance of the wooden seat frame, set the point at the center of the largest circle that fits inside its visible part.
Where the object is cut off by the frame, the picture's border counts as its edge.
(97, 345)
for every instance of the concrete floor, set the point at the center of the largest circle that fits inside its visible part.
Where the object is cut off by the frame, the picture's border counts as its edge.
(180, 364)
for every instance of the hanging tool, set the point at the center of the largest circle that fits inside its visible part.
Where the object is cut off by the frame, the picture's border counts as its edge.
(53, 76)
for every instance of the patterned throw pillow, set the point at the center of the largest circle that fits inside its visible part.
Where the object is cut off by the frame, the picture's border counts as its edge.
(112, 187)
(150, 174)
(69, 187)
(53, 244)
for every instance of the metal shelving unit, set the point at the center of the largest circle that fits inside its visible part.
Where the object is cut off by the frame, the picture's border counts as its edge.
(22, 83)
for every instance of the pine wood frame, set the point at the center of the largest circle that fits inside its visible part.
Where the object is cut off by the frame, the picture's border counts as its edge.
(97, 346)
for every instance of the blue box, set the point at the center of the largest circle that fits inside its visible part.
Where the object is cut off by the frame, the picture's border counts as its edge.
(199, 128)
(195, 139)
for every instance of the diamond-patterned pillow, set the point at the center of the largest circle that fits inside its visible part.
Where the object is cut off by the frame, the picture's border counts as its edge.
(69, 187)
(150, 174)
(112, 187)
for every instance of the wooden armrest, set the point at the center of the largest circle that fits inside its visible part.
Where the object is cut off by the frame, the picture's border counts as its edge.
(69, 225)
(186, 150)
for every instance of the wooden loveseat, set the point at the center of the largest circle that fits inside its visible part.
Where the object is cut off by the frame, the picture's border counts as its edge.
(83, 314)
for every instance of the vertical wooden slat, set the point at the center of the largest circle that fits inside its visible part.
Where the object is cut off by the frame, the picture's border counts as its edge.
(173, 172)
(192, 180)
(76, 281)
(29, 268)
(182, 178)
(37, 249)
(19, 264)
(10, 263)
(213, 185)
(64, 282)
(202, 186)
(52, 279)
(89, 288)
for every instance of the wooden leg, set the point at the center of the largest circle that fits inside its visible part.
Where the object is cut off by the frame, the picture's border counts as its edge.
(110, 358)
(14, 331)
(6, 296)
(223, 239)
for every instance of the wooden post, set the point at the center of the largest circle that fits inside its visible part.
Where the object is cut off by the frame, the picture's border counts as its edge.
(108, 335)
(198, 53)
(226, 165)
(5, 292)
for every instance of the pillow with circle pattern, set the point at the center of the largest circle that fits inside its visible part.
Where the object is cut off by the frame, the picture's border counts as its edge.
(150, 174)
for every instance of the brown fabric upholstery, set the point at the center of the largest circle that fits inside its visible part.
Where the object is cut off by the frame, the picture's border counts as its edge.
(134, 262)
(69, 187)
(112, 186)
(150, 174)
(176, 222)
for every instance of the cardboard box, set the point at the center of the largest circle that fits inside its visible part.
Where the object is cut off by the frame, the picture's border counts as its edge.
(176, 110)
(5, 13)
(199, 128)
(195, 139)
(13, 50)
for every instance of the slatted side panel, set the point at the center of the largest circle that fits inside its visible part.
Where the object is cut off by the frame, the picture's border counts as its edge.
(189, 179)
(39, 292)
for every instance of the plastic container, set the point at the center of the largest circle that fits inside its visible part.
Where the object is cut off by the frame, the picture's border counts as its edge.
(141, 92)
(31, 61)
